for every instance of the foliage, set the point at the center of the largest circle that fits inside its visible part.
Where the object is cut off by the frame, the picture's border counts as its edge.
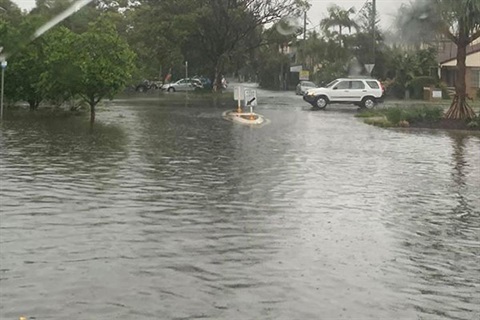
(62, 65)
(474, 123)
(338, 17)
(60, 78)
(457, 21)
(403, 66)
(104, 61)
(379, 122)
(417, 85)
(210, 34)
(396, 115)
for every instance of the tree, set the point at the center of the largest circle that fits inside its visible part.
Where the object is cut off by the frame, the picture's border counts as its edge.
(25, 62)
(338, 17)
(228, 25)
(61, 78)
(217, 29)
(458, 21)
(105, 63)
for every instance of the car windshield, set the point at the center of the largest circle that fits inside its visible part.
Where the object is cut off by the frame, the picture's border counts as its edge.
(308, 84)
(331, 84)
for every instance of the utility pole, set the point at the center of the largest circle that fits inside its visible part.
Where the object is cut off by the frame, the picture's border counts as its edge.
(304, 25)
(374, 11)
(3, 65)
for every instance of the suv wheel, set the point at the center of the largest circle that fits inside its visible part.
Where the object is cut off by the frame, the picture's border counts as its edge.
(368, 103)
(321, 102)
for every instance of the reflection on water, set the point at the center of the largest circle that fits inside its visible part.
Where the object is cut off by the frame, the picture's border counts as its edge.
(165, 210)
(458, 174)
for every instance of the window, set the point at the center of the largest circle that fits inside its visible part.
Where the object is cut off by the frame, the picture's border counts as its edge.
(357, 85)
(373, 84)
(476, 78)
(343, 85)
(331, 84)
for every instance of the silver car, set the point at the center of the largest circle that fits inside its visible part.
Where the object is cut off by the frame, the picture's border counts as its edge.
(303, 86)
(183, 85)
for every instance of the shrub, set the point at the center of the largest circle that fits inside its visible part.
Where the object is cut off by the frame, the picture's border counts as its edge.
(395, 90)
(397, 115)
(433, 113)
(394, 115)
(417, 84)
(474, 123)
(423, 113)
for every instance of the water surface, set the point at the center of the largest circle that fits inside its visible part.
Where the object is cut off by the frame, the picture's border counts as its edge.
(167, 211)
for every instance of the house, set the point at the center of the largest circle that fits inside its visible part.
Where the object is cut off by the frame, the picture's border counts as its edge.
(448, 64)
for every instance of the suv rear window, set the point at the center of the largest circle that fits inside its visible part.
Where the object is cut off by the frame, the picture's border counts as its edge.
(373, 84)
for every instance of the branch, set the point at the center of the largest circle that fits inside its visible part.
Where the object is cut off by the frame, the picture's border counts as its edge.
(474, 36)
(444, 29)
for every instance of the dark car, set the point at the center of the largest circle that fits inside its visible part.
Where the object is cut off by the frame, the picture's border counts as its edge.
(146, 85)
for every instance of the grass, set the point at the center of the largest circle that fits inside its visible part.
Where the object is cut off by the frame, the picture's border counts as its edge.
(398, 115)
(405, 113)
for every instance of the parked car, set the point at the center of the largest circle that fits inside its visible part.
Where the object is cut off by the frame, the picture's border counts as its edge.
(303, 86)
(186, 84)
(206, 82)
(365, 93)
(146, 85)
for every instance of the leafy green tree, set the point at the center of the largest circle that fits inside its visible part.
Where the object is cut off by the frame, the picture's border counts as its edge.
(218, 29)
(105, 63)
(273, 64)
(22, 79)
(404, 66)
(369, 37)
(25, 62)
(157, 32)
(61, 78)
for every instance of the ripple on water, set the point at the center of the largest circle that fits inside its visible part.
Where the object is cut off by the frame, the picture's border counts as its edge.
(179, 214)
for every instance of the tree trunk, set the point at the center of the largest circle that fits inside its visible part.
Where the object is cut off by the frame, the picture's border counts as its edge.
(33, 104)
(459, 109)
(92, 110)
(217, 81)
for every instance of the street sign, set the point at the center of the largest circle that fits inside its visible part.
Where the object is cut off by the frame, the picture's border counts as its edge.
(304, 75)
(369, 67)
(295, 68)
(250, 97)
(238, 93)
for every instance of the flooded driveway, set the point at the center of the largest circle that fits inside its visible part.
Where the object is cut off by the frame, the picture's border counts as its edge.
(167, 211)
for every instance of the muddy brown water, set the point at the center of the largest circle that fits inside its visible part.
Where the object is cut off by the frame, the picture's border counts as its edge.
(167, 211)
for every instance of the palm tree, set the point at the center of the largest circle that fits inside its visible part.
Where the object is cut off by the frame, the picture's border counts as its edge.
(338, 17)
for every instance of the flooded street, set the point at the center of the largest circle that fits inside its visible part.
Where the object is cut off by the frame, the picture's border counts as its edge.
(167, 211)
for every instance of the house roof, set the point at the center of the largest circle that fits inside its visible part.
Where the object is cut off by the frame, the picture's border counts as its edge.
(450, 52)
(472, 61)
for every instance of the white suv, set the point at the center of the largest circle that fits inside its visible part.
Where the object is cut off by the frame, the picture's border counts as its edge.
(364, 93)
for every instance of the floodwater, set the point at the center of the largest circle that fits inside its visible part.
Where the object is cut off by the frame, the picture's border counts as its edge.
(167, 211)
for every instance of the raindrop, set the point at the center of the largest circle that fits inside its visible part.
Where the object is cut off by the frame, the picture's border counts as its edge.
(288, 25)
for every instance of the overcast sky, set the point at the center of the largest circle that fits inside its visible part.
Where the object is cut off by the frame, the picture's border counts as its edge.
(385, 8)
